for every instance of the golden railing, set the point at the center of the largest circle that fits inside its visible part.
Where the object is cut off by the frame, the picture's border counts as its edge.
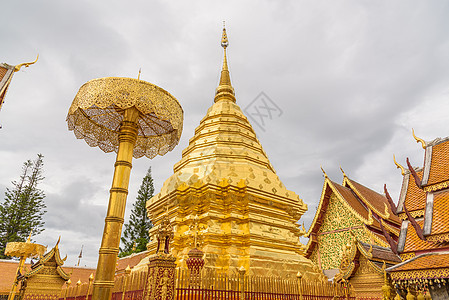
(214, 285)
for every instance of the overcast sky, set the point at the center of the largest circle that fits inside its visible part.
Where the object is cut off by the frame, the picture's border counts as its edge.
(349, 78)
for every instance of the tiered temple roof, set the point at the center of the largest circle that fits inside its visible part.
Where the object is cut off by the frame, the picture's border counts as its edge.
(364, 210)
(6, 73)
(348, 235)
(424, 237)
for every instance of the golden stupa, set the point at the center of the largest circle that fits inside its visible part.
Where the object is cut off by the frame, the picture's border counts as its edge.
(225, 195)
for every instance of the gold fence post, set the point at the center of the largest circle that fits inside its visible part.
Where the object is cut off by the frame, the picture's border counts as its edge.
(91, 279)
(242, 272)
(299, 276)
(68, 283)
(78, 288)
(125, 284)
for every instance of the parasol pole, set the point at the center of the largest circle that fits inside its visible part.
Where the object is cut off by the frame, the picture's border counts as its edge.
(104, 276)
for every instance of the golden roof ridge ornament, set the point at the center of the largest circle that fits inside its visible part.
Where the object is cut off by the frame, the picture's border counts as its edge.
(26, 65)
(224, 89)
(419, 140)
(324, 172)
(399, 166)
(344, 174)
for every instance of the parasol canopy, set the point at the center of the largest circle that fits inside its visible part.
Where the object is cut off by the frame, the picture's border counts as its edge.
(96, 115)
(24, 249)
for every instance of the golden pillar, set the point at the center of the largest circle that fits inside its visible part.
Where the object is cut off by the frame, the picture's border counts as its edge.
(104, 278)
(134, 118)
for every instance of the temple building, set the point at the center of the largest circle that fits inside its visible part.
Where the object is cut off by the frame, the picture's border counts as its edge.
(226, 198)
(347, 236)
(6, 74)
(46, 277)
(424, 238)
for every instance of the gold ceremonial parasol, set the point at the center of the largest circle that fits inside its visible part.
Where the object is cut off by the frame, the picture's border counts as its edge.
(23, 250)
(133, 118)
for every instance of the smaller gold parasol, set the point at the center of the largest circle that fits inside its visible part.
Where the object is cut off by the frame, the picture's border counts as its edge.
(23, 250)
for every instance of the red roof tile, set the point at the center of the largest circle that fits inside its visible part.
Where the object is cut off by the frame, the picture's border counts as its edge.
(440, 220)
(413, 243)
(378, 201)
(424, 262)
(439, 168)
(415, 199)
(130, 260)
(352, 200)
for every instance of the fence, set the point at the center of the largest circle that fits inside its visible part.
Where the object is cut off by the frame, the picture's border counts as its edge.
(213, 285)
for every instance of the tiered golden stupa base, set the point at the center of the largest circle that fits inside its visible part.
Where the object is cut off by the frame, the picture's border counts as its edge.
(226, 198)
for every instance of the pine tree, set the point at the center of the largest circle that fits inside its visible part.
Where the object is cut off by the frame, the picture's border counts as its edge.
(135, 236)
(23, 206)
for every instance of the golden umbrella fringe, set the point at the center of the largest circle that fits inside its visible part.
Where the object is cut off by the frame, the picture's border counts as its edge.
(133, 118)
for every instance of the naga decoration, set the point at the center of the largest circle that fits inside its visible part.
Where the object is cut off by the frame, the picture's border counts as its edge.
(418, 229)
(393, 245)
(419, 140)
(414, 174)
(390, 201)
(399, 166)
(26, 65)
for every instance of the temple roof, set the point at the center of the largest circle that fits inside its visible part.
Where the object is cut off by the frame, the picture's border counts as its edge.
(425, 194)
(413, 242)
(225, 151)
(437, 163)
(380, 253)
(53, 254)
(361, 200)
(413, 197)
(424, 266)
(375, 201)
(6, 73)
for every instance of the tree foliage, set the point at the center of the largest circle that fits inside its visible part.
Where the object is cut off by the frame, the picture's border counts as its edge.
(23, 206)
(135, 236)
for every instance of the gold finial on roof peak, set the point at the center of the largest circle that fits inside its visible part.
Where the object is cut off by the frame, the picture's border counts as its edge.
(399, 166)
(138, 76)
(419, 140)
(29, 237)
(324, 172)
(344, 174)
(26, 65)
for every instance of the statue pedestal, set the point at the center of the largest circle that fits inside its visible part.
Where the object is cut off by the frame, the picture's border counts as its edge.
(161, 277)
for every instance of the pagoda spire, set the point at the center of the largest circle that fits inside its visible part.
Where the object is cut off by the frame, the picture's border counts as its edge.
(224, 89)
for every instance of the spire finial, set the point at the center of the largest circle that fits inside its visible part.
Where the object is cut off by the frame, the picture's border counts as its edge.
(224, 38)
(224, 89)
(138, 76)
(419, 140)
(398, 166)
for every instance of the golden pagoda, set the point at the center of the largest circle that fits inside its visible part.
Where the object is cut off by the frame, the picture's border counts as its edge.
(225, 195)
